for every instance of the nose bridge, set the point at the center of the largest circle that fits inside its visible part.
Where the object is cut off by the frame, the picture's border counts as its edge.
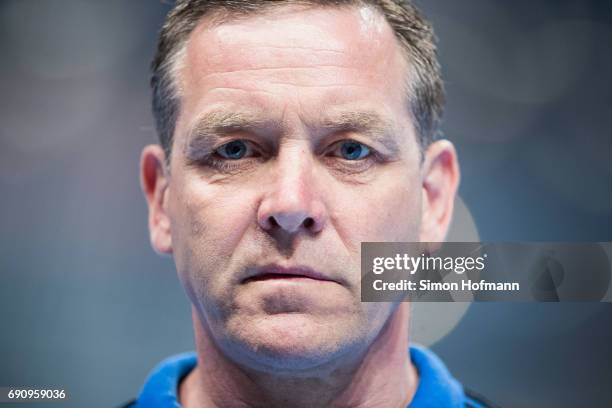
(294, 173)
(291, 201)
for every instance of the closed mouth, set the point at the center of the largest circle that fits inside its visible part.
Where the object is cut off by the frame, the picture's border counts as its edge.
(275, 272)
(269, 276)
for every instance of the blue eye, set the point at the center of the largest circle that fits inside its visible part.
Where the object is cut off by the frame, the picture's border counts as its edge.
(351, 150)
(234, 150)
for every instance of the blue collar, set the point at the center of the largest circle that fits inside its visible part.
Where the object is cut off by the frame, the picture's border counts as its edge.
(437, 388)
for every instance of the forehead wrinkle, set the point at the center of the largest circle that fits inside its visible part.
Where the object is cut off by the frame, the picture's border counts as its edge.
(325, 36)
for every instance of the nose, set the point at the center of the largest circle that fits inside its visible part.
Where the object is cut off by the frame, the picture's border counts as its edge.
(293, 201)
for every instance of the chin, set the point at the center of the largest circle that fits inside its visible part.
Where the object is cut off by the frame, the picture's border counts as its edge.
(290, 341)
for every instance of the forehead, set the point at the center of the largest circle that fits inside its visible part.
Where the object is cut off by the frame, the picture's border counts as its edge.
(358, 33)
(294, 56)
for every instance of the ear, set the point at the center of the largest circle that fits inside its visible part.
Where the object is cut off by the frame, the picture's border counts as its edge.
(154, 179)
(440, 178)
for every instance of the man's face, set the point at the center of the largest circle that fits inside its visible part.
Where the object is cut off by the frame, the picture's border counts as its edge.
(293, 145)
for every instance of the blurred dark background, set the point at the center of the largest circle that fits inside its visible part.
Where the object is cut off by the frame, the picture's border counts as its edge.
(86, 305)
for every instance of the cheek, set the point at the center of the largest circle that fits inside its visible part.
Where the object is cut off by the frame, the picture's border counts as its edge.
(402, 218)
(388, 212)
(208, 224)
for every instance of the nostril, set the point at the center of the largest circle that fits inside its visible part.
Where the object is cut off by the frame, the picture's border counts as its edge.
(308, 223)
(273, 223)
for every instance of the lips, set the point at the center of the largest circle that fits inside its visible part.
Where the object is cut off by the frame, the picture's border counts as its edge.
(271, 272)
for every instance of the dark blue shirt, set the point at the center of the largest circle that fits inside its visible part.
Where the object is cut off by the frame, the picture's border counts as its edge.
(436, 389)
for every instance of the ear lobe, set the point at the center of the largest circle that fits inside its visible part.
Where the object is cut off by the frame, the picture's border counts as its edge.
(440, 183)
(154, 182)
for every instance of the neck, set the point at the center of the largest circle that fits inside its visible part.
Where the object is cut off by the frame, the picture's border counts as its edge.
(383, 377)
